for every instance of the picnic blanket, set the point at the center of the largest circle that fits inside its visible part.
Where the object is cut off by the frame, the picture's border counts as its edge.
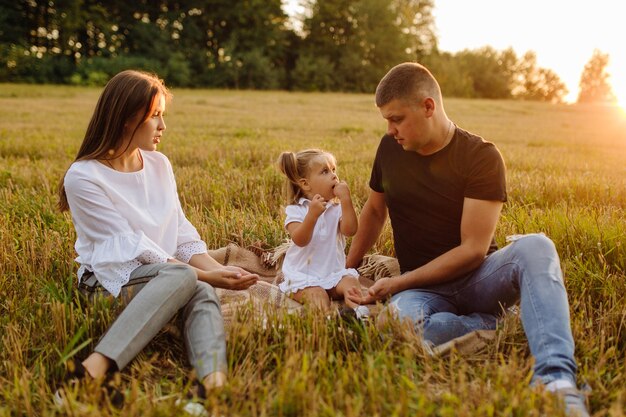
(266, 264)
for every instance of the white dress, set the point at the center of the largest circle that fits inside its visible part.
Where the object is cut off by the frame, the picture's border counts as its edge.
(321, 263)
(126, 219)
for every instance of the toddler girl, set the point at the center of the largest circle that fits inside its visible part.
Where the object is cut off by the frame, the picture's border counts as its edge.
(318, 218)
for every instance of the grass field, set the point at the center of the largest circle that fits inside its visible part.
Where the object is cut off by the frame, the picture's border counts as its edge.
(566, 177)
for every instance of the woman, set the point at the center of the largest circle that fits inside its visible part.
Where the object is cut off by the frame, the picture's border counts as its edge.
(133, 240)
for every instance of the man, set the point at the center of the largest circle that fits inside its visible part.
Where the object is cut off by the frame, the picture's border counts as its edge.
(444, 188)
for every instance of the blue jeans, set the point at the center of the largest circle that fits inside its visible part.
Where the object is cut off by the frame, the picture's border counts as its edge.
(528, 269)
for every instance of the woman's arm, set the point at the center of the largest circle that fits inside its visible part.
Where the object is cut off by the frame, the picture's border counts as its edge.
(219, 276)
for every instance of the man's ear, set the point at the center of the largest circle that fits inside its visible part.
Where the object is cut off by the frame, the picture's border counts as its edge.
(429, 106)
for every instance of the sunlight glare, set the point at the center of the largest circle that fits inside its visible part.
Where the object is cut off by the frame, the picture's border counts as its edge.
(617, 79)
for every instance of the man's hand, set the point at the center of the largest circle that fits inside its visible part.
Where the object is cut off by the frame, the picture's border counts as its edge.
(382, 289)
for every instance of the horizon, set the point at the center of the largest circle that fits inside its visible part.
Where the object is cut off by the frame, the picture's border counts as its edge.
(558, 42)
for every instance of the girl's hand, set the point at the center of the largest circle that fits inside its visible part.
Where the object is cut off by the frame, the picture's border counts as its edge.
(317, 206)
(230, 278)
(381, 290)
(354, 294)
(341, 190)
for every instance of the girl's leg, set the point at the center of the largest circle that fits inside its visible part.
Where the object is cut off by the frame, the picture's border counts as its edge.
(346, 285)
(151, 307)
(204, 336)
(313, 296)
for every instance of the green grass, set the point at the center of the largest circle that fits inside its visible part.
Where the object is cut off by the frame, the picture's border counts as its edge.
(566, 175)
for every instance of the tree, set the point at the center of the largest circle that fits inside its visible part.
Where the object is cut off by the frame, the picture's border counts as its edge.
(356, 41)
(536, 83)
(594, 81)
(491, 72)
(225, 43)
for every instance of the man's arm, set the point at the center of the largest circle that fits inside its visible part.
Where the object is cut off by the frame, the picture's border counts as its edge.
(478, 224)
(371, 222)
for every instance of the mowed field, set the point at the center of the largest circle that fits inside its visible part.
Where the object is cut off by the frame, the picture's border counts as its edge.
(566, 178)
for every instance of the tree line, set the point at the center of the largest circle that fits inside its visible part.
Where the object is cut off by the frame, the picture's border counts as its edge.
(342, 45)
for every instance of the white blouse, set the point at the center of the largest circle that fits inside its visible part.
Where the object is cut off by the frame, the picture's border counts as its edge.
(126, 219)
(322, 262)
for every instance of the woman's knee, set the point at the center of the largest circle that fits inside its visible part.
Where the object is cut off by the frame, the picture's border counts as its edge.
(182, 275)
(206, 290)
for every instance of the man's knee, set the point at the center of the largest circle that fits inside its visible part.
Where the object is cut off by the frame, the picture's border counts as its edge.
(536, 257)
(412, 306)
(533, 245)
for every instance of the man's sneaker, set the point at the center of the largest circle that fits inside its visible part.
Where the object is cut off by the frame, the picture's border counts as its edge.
(467, 344)
(575, 402)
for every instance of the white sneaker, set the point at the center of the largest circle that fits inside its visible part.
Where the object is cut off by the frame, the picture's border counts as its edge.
(574, 400)
(362, 313)
(192, 407)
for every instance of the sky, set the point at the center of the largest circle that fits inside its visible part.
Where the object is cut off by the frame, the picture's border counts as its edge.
(562, 33)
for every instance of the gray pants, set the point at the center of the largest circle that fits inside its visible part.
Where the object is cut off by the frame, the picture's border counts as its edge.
(153, 296)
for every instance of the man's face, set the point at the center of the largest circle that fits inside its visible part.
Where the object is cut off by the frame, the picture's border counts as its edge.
(407, 123)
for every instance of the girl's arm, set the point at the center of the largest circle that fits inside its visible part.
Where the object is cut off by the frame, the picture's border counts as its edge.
(302, 232)
(349, 223)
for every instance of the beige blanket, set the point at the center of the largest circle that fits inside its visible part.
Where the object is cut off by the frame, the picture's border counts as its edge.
(266, 263)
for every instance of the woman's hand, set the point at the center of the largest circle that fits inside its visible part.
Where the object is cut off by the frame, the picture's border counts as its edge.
(229, 277)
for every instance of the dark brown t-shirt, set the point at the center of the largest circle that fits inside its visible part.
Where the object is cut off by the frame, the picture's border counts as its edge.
(424, 194)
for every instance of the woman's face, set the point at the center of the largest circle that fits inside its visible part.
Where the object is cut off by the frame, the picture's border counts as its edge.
(148, 134)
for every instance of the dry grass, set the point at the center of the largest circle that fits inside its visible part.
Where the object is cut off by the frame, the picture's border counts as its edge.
(566, 178)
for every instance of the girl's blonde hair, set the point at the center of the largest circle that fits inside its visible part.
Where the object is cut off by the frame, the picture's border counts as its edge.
(297, 166)
(128, 95)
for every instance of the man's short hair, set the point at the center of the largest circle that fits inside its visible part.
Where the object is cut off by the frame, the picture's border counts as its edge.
(407, 81)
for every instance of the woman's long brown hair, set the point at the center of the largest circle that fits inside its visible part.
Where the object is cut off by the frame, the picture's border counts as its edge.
(127, 95)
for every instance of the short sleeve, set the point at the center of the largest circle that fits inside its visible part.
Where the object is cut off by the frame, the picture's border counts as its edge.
(295, 213)
(487, 175)
(376, 176)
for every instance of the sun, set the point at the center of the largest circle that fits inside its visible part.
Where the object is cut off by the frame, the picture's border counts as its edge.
(620, 97)
(617, 79)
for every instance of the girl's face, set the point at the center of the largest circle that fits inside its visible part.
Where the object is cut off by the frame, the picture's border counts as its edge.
(322, 178)
(148, 134)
